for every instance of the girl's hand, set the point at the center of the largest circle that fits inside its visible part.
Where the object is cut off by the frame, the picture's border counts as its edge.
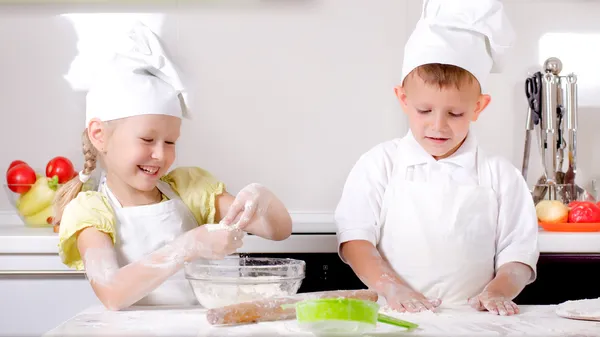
(252, 202)
(216, 242)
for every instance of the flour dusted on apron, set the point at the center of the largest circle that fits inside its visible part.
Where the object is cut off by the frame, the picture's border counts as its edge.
(439, 236)
(140, 230)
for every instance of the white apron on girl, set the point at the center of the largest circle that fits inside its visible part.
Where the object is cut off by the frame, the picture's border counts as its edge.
(141, 230)
(440, 236)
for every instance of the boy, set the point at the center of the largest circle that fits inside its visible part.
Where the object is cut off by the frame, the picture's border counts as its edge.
(431, 218)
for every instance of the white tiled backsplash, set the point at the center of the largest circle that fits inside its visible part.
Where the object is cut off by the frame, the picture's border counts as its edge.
(285, 93)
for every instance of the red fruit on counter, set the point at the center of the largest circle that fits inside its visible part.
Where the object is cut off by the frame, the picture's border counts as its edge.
(20, 178)
(15, 163)
(60, 167)
(584, 212)
(574, 203)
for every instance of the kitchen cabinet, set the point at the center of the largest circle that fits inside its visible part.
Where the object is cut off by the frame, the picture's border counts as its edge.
(563, 277)
(37, 294)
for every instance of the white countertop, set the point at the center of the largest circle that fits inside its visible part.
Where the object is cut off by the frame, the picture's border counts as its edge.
(459, 321)
(17, 239)
(21, 240)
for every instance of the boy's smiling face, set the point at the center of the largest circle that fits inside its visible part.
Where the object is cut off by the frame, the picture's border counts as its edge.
(439, 114)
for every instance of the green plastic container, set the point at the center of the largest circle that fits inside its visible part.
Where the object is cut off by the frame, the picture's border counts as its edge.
(342, 316)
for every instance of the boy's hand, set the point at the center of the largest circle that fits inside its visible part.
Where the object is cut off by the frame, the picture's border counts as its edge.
(494, 303)
(403, 299)
(413, 303)
(497, 296)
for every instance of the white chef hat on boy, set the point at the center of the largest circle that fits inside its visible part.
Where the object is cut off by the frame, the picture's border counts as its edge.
(138, 80)
(471, 34)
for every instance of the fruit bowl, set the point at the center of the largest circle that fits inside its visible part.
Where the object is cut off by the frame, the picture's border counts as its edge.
(34, 207)
(218, 283)
(32, 191)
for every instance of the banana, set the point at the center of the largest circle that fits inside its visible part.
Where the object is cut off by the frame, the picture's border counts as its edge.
(38, 197)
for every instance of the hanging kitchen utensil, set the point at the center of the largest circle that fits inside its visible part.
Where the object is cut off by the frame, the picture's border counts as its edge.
(549, 125)
(571, 126)
(533, 92)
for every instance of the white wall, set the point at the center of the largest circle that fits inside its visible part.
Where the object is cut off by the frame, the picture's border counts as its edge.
(286, 93)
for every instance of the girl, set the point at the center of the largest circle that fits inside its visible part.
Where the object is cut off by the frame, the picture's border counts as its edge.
(133, 235)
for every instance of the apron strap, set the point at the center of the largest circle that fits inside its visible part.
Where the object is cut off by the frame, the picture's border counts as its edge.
(166, 189)
(162, 186)
(103, 188)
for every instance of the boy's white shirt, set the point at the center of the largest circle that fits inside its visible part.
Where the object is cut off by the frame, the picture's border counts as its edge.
(361, 209)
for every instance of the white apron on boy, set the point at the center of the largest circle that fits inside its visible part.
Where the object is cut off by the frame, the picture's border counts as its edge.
(443, 233)
(439, 236)
(140, 230)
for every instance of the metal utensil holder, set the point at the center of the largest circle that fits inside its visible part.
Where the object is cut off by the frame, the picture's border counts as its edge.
(552, 117)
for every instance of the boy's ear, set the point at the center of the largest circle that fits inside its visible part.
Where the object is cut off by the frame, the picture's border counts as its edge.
(482, 103)
(401, 95)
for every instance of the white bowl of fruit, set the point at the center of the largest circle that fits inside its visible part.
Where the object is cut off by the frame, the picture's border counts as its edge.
(32, 192)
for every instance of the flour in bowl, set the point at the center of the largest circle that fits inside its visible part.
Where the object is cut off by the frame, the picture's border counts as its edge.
(218, 293)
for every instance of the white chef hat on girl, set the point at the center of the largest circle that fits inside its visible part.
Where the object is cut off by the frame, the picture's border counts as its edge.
(471, 34)
(138, 80)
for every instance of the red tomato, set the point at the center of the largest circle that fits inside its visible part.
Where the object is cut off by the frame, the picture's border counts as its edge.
(60, 167)
(15, 163)
(574, 203)
(20, 178)
(584, 212)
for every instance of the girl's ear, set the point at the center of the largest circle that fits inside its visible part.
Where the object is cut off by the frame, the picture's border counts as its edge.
(97, 133)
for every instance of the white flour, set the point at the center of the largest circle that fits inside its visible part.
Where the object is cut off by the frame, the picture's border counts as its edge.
(465, 321)
(142, 321)
(582, 309)
(391, 312)
(217, 293)
(100, 265)
(145, 321)
(219, 227)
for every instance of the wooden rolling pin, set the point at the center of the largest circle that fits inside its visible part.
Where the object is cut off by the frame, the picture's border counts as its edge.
(270, 309)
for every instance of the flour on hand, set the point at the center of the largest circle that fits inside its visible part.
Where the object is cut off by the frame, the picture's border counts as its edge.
(220, 227)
